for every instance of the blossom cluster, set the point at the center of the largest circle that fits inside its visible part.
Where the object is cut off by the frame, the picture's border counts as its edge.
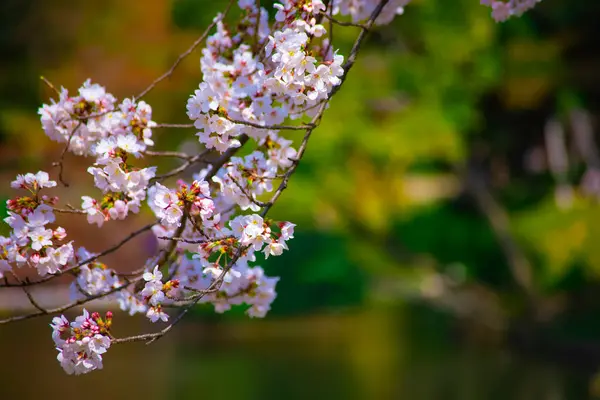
(83, 120)
(81, 343)
(92, 123)
(219, 251)
(31, 241)
(242, 285)
(503, 10)
(251, 230)
(124, 186)
(155, 292)
(284, 76)
(169, 205)
(243, 179)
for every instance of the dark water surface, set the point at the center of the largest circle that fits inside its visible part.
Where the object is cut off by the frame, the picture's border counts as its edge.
(370, 354)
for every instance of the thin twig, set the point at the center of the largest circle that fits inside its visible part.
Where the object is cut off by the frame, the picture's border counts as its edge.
(347, 66)
(199, 241)
(69, 305)
(191, 161)
(342, 23)
(218, 163)
(257, 25)
(330, 44)
(60, 162)
(187, 52)
(295, 162)
(50, 85)
(358, 44)
(33, 302)
(84, 262)
(215, 285)
(85, 118)
(270, 127)
(68, 211)
(166, 255)
(174, 126)
(248, 195)
(175, 154)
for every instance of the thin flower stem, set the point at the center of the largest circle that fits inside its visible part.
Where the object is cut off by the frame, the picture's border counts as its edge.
(270, 127)
(174, 126)
(60, 162)
(186, 53)
(174, 154)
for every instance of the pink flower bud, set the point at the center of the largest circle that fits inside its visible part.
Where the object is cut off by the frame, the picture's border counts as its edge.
(35, 258)
(60, 233)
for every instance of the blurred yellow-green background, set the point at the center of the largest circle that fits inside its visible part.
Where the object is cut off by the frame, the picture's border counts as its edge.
(447, 209)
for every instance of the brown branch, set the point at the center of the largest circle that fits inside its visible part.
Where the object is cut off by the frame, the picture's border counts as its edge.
(342, 23)
(330, 44)
(216, 165)
(317, 104)
(173, 243)
(69, 305)
(33, 301)
(358, 44)
(186, 53)
(174, 126)
(245, 193)
(295, 162)
(257, 24)
(270, 127)
(191, 161)
(60, 162)
(215, 285)
(152, 337)
(347, 66)
(225, 157)
(199, 241)
(113, 248)
(84, 262)
(175, 154)
(68, 211)
(85, 118)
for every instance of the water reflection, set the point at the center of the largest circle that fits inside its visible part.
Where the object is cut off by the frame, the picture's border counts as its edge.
(371, 354)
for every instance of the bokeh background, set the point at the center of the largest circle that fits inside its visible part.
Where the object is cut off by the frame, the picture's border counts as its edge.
(447, 210)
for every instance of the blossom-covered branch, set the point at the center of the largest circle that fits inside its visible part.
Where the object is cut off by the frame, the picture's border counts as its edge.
(258, 76)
